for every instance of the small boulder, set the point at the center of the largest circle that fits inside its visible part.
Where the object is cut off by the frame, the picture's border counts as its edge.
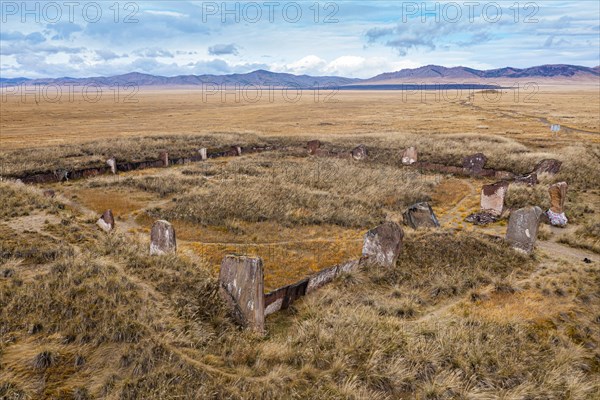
(360, 153)
(522, 229)
(162, 238)
(242, 288)
(236, 151)
(112, 163)
(548, 166)
(474, 164)
(203, 153)
(62, 175)
(556, 213)
(420, 215)
(492, 198)
(49, 193)
(312, 146)
(106, 222)
(164, 157)
(382, 245)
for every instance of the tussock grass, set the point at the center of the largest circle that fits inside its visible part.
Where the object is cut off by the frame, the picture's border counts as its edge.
(299, 192)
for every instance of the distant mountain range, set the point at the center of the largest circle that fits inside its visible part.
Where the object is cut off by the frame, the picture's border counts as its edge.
(429, 73)
(435, 72)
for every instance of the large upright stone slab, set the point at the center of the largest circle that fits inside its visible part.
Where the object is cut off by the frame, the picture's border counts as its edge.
(164, 157)
(474, 164)
(523, 228)
(548, 166)
(360, 152)
(162, 238)
(558, 195)
(112, 163)
(382, 245)
(409, 156)
(492, 198)
(312, 146)
(420, 215)
(107, 221)
(242, 287)
(203, 153)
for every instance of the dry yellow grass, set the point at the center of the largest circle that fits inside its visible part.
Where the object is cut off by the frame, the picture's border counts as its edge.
(87, 315)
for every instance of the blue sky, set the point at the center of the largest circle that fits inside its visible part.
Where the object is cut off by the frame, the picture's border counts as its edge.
(348, 38)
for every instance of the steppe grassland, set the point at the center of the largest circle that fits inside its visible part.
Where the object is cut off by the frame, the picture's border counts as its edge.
(87, 315)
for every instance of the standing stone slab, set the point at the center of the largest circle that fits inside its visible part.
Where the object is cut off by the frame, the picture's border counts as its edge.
(474, 164)
(409, 156)
(321, 278)
(203, 153)
(548, 166)
(558, 195)
(106, 222)
(163, 156)
(420, 215)
(360, 153)
(162, 238)
(236, 151)
(492, 198)
(112, 163)
(312, 146)
(382, 245)
(242, 287)
(523, 228)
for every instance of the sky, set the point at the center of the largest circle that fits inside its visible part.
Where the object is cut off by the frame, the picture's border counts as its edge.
(345, 38)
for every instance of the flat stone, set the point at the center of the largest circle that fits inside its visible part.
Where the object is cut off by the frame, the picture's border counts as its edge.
(242, 287)
(162, 238)
(112, 163)
(312, 146)
(481, 218)
(492, 198)
(522, 229)
(409, 156)
(360, 153)
(382, 245)
(529, 179)
(474, 164)
(548, 166)
(107, 221)
(420, 215)
(163, 156)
